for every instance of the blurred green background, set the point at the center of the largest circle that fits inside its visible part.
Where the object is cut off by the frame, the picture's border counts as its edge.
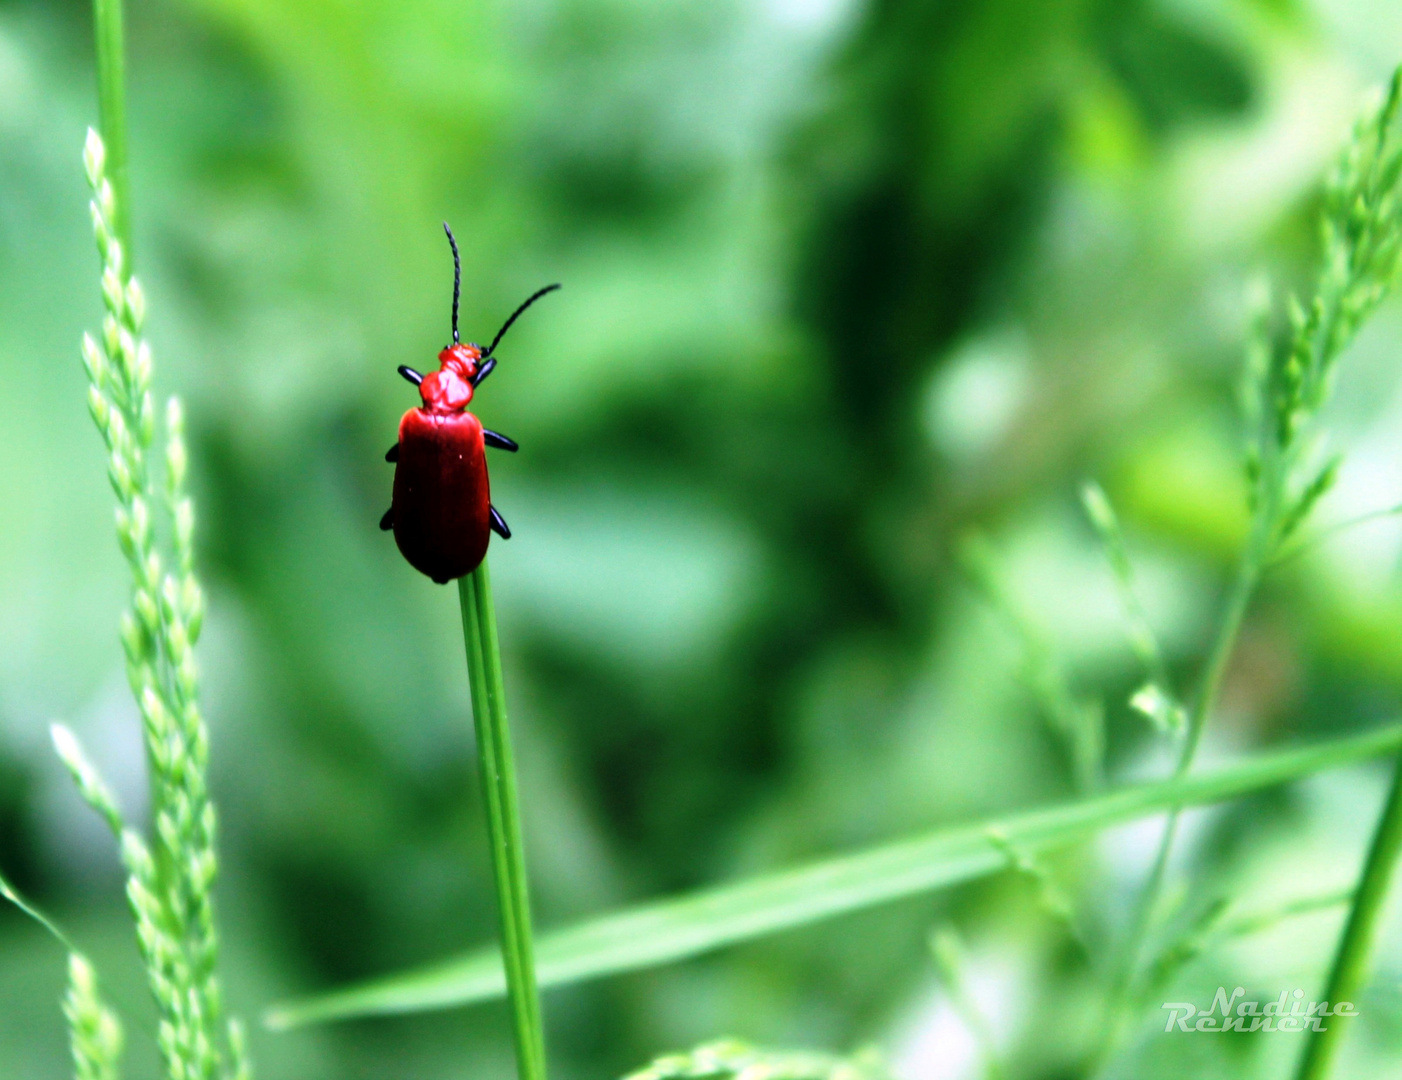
(844, 282)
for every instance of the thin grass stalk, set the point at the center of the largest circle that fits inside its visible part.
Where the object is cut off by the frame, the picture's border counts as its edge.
(1354, 957)
(109, 34)
(498, 773)
(1247, 576)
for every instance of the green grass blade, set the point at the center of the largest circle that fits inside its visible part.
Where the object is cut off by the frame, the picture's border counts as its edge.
(663, 931)
(498, 772)
(1349, 974)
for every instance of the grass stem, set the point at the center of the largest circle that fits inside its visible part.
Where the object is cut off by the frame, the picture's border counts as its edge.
(498, 771)
(1248, 573)
(112, 109)
(1354, 956)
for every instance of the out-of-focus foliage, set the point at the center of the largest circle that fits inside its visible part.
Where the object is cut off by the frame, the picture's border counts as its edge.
(843, 282)
(730, 1060)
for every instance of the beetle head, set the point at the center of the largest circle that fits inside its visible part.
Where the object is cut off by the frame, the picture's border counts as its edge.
(462, 367)
(449, 389)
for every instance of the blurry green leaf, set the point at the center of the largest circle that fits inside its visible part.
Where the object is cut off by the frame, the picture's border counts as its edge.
(667, 930)
(1175, 67)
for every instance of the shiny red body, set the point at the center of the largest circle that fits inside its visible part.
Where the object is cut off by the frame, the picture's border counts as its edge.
(441, 509)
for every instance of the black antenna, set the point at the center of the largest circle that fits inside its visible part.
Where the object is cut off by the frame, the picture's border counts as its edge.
(517, 314)
(457, 278)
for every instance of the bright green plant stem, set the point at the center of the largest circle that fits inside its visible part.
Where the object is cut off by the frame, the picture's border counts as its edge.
(1354, 956)
(498, 772)
(112, 108)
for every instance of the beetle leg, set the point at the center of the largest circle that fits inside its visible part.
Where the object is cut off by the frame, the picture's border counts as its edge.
(499, 525)
(499, 441)
(484, 370)
(410, 374)
(387, 522)
(392, 454)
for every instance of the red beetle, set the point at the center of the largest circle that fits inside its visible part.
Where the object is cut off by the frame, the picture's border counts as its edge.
(441, 511)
